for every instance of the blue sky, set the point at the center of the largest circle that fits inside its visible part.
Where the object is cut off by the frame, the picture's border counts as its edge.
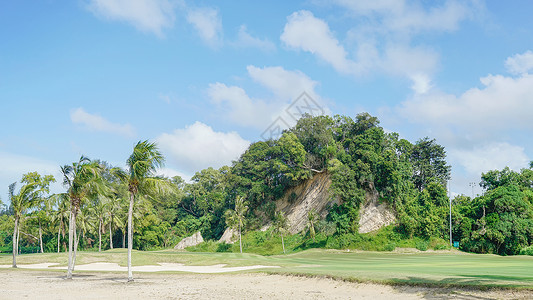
(204, 79)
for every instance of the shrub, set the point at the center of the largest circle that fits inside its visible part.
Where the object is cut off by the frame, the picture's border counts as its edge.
(422, 245)
(527, 251)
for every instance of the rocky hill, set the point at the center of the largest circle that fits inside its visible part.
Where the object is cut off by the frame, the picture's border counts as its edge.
(313, 194)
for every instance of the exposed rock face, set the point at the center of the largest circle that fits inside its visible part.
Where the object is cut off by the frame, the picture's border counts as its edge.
(193, 240)
(313, 194)
(228, 236)
(299, 200)
(374, 215)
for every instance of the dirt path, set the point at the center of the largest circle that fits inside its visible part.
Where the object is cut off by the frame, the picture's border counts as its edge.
(19, 284)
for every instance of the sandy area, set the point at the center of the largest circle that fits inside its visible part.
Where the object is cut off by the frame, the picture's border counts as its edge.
(161, 267)
(18, 284)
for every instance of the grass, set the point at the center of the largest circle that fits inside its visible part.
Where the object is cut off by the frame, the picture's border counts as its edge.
(429, 269)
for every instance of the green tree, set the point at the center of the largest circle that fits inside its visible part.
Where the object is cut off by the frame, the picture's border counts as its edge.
(429, 163)
(81, 178)
(28, 197)
(236, 218)
(312, 220)
(60, 215)
(280, 226)
(142, 165)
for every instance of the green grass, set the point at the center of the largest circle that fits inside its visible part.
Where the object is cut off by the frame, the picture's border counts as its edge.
(430, 269)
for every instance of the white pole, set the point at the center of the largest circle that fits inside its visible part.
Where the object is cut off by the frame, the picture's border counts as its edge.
(450, 198)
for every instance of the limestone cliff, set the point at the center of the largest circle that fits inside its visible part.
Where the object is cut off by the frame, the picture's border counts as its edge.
(373, 215)
(313, 194)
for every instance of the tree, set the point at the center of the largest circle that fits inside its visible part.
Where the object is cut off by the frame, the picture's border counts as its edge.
(429, 163)
(236, 218)
(99, 210)
(142, 165)
(114, 208)
(312, 220)
(280, 226)
(28, 197)
(60, 215)
(81, 178)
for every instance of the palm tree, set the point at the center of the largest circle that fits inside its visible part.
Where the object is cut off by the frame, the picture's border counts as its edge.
(20, 203)
(114, 209)
(280, 226)
(236, 218)
(312, 219)
(28, 197)
(99, 210)
(60, 215)
(142, 165)
(80, 178)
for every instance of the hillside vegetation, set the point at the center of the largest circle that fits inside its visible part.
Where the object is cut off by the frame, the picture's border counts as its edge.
(358, 160)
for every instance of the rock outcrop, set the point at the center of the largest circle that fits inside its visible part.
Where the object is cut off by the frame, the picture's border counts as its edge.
(228, 236)
(193, 240)
(312, 194)
(373, 215)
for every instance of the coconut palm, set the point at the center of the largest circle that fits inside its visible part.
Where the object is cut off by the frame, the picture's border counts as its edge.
(280, 226)
(60, 215)
(81, 178)
(99, 211)
(113, 214)
(28, 197)
(312, 220)
(142, 165)
(20, 203)
(236, 218)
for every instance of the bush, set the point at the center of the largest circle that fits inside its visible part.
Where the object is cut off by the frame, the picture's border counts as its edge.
(422, 245)
(223, 247)
(438, 244)
(527, 251)
(389, 247)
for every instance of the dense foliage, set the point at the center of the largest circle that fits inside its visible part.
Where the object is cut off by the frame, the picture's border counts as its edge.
(361, 158)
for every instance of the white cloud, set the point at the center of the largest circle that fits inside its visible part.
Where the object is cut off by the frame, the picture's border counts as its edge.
(169, 172)
(146, 15)
(207, 23)
(241, 108)
(503, 103)
(283, 83)
(520, 63)
(304, 31)
(409, 17)
(381, 39)
(494, 156)
(198, 147)
(244, 39)
(286, 86)
(98, 123)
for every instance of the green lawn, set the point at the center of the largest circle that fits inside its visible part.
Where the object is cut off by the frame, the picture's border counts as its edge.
(440, 269)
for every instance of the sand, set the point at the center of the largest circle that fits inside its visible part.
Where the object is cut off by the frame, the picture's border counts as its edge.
(45, 284)
(161, 267)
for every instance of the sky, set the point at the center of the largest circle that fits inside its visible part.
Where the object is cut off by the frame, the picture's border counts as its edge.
(204, 79)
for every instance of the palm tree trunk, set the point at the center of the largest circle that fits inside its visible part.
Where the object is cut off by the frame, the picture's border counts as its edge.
(76, 241)
(282, 243)
(15, 246)
(110, 236)
(100, 236)
(240, 239)
(130, 236)
(18, 240)
(124, 238)
(41, 237)
(71, 229)
(58, 238)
